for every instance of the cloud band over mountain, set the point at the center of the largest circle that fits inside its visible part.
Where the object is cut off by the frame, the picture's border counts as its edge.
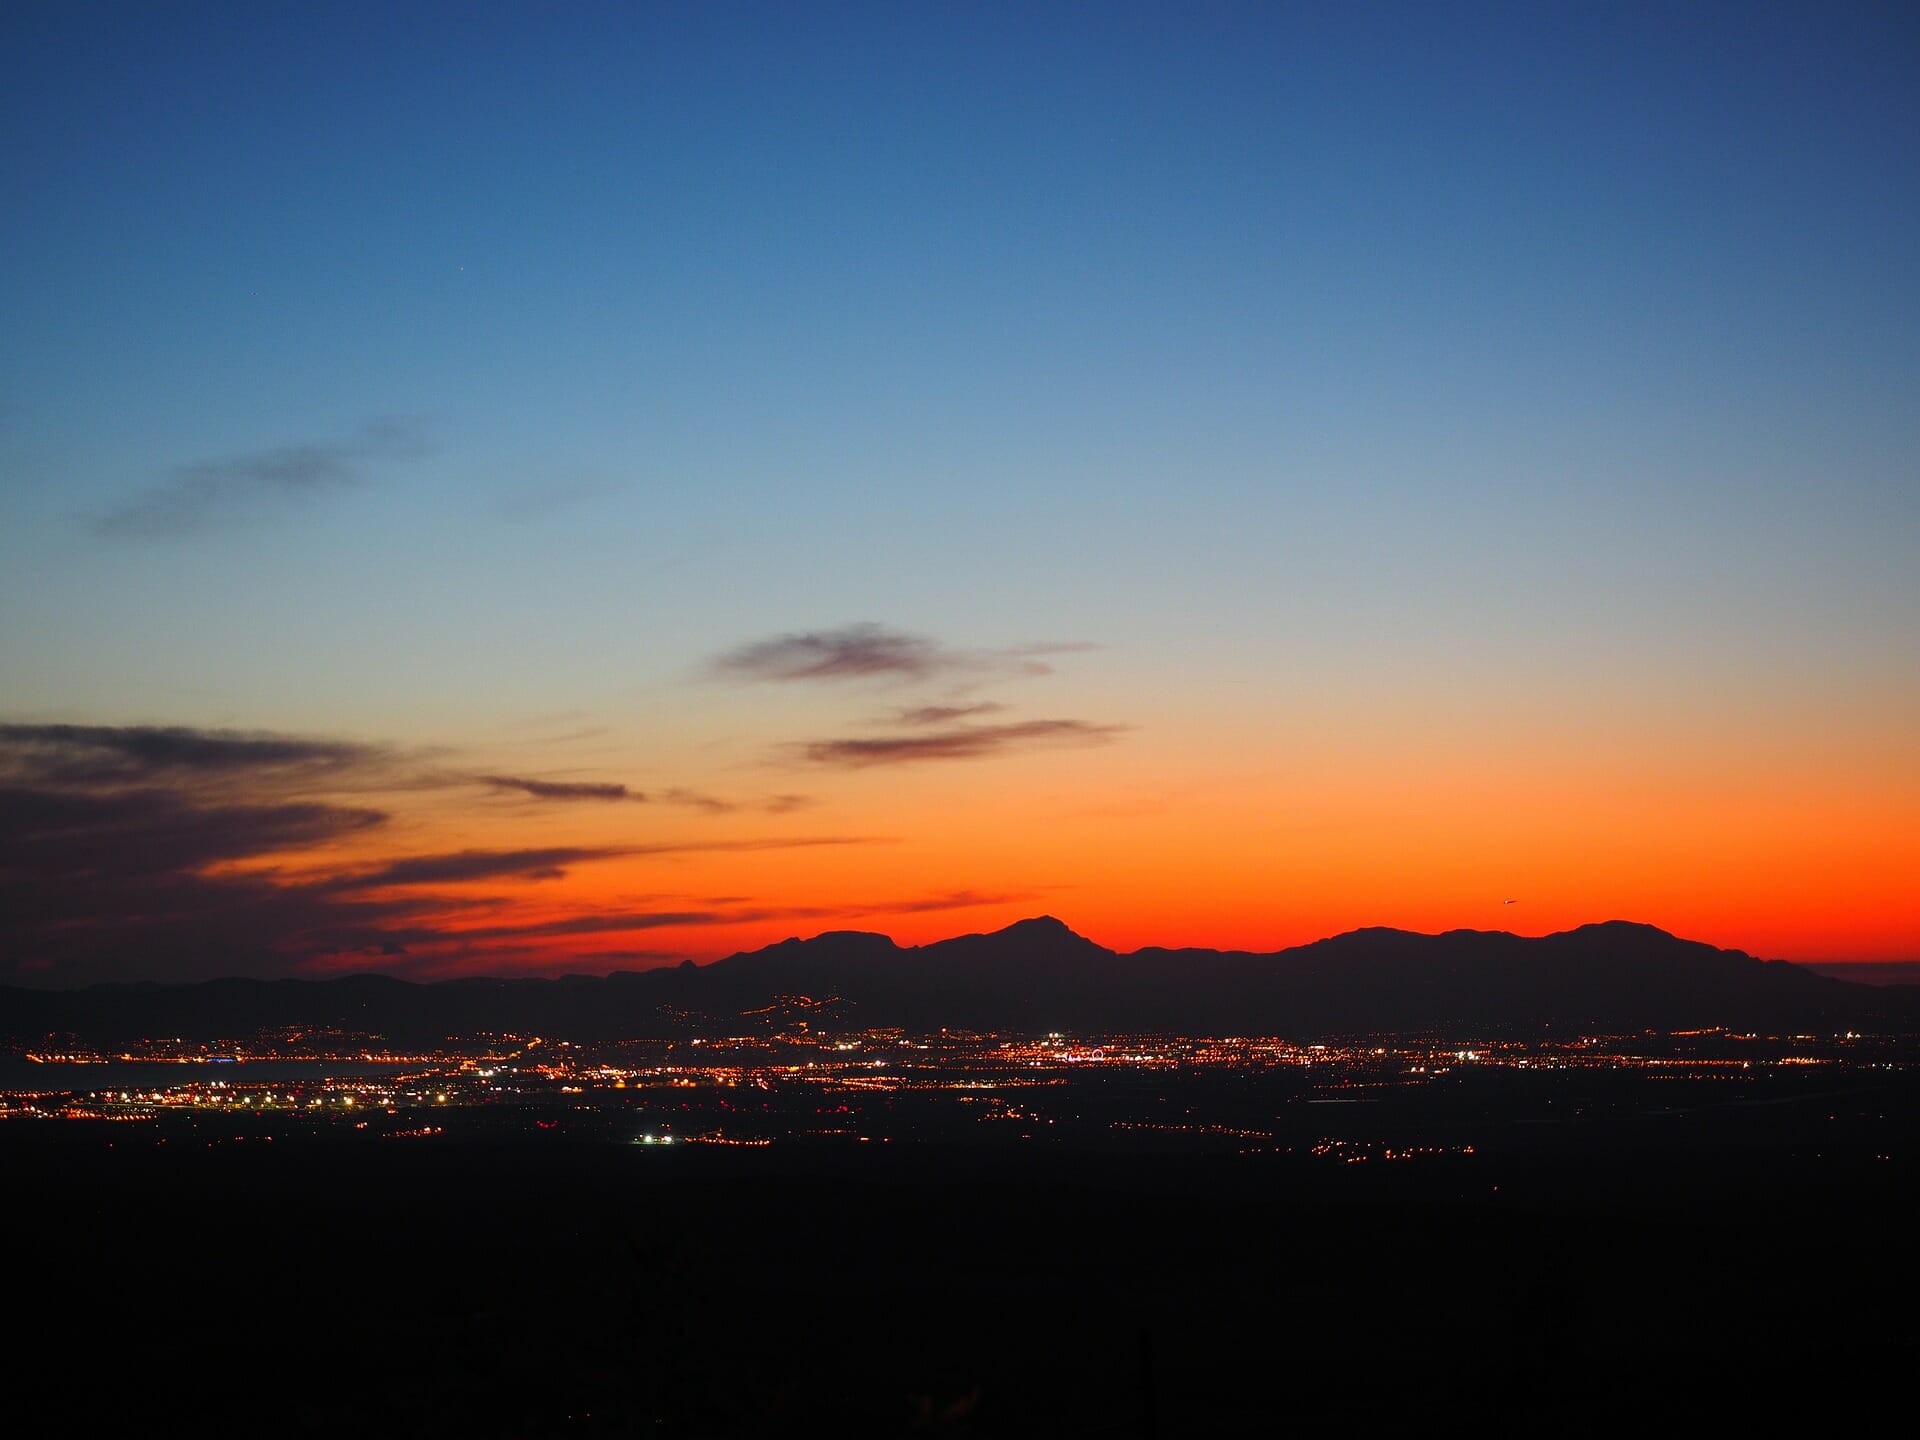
(131, 851)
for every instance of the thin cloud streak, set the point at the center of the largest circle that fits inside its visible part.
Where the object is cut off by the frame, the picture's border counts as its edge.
(946, 714)
(951, 900)
(551, 863)
(560, 789)
(977, 742)
(609, 924)
(604, 790)
(465, 866)
(868, 651)
(214, 492)
(696, 800)
(801, 842)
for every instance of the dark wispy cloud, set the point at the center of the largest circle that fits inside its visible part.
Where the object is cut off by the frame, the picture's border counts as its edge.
(147, 831)
(248, 486)
(95, 755)
(678, 795)
(465, 866)
(697, 800)
(103, 879)
(867, 651)
(601, 923)
(718, 805)
(793, 842)
(148, 851)
(461, 867)
(972, 742)
(853, 652)
(560, 789)
(945, 714)
(948, 900)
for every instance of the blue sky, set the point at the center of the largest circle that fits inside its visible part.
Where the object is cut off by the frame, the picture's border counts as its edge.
(1310, 361)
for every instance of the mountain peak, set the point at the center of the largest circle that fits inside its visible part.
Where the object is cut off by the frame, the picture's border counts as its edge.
(798, 950)
(1036, 926)
(1037, 975)
(1620, 930)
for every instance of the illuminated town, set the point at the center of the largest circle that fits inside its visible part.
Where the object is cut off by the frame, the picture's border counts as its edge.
(782, 1082)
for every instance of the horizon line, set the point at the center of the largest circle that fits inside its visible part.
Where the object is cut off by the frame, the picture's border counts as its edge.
(1818, 966)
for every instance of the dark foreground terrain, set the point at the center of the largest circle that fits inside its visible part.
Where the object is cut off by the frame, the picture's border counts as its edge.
(1684, 1272)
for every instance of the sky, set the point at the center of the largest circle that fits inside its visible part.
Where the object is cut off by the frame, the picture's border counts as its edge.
(512, 489)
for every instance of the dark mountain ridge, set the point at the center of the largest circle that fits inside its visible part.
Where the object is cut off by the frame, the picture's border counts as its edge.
(1037, 975)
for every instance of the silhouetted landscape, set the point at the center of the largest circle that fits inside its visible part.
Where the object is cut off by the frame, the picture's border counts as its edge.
(1039, 975)
(1006, 1184)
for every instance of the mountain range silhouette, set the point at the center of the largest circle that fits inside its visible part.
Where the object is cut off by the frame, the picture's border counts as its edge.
(1039, 975)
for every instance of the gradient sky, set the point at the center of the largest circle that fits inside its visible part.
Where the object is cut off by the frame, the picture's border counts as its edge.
(1218, 475)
